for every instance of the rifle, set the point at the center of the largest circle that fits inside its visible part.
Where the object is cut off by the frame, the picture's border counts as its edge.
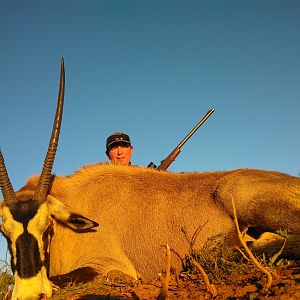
(172, 156)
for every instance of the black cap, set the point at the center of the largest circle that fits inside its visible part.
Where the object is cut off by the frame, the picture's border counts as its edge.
(117, 137)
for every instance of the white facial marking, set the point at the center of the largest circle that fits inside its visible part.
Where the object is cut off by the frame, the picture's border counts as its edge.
(38, 225)
(26, 288)
(13, 229)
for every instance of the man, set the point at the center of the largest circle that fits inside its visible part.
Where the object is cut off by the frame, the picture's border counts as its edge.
(118, 148)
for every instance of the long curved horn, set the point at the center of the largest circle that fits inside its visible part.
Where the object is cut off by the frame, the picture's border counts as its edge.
(41, 191)
(5, 184)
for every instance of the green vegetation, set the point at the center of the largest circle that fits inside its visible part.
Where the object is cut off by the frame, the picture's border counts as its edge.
(221, 262)
(6, 280)
(217, 260)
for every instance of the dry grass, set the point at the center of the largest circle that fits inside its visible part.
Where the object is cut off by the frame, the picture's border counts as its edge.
(210, 287)
(249, 252)
(6, 280)
(165, 280)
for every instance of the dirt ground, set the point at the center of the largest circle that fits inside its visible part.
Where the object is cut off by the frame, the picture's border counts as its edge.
(285, 285)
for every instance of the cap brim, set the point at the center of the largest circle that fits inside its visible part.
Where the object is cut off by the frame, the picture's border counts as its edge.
(118, 141)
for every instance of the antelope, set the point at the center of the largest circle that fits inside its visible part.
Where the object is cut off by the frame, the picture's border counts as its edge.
(51, 222)
(27, 220)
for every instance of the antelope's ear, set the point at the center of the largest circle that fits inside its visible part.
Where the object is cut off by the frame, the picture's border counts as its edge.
(66, 216)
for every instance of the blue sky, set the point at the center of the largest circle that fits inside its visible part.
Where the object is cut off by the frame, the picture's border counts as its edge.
(151, 69)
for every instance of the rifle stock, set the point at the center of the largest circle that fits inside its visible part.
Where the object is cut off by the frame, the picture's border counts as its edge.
(164, 165)
(172, 156)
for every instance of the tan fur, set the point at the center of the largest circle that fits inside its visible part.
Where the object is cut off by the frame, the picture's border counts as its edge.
(140, 210)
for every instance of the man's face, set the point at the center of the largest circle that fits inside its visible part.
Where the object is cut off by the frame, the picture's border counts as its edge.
(120, 153)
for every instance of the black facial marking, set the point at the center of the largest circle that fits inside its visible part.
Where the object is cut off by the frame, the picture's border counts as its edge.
(77, 219)
(29, 262)
(81, 221)
(23, 212)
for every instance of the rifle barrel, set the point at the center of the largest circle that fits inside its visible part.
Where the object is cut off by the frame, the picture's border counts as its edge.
(207, 115)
